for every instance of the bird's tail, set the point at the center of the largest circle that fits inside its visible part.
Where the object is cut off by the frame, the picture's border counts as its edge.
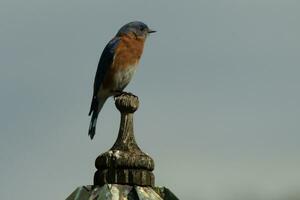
(95, 111)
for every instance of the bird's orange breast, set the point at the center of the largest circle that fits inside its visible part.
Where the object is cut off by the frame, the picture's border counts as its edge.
(126, 55)
(128, 52)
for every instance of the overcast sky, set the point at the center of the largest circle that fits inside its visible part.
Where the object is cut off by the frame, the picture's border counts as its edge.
(218, 86)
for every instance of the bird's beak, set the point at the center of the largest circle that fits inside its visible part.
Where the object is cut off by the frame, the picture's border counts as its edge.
(151, 31)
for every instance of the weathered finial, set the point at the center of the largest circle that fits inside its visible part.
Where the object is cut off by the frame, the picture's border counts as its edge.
(125, 163)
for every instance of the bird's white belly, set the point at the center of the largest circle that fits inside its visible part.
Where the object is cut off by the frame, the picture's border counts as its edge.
(124, 76)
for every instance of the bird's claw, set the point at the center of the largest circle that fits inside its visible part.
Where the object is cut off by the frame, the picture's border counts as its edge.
(124, 93)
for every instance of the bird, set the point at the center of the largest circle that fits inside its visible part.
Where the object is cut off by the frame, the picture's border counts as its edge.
(117, 65)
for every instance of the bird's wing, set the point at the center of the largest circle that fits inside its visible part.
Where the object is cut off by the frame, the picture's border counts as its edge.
(105, 63)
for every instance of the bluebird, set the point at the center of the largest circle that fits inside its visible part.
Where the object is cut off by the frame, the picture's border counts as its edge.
(117, 65)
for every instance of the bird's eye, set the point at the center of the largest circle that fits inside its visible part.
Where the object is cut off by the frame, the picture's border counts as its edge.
(142, 28)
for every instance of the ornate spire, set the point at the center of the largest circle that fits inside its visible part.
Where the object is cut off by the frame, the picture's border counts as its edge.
(125, 163)
(124, 172)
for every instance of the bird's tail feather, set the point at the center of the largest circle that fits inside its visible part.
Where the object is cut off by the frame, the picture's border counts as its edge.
(93, 123)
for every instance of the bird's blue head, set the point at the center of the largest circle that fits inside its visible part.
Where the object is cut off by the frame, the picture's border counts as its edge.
(136, 28)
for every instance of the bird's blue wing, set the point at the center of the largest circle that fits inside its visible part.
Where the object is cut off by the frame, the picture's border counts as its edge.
(105, 63)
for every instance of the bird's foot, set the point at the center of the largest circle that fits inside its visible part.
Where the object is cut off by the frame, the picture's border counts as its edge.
(120, 93)
(117, 94)
(130, 94)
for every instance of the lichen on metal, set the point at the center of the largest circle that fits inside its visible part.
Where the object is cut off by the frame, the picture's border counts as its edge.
(147, 193)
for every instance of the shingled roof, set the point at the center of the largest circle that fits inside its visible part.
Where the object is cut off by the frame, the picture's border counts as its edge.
(121, 192)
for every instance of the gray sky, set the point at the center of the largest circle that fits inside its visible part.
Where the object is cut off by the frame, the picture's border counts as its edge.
(218, 84)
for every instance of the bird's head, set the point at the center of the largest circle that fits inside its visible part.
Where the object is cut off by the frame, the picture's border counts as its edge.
(136, 29)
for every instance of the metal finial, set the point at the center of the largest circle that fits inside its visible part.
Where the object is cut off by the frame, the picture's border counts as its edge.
(125, 163)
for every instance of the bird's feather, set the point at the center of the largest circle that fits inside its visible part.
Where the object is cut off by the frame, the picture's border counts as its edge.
(92, 128)
(104, 64)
